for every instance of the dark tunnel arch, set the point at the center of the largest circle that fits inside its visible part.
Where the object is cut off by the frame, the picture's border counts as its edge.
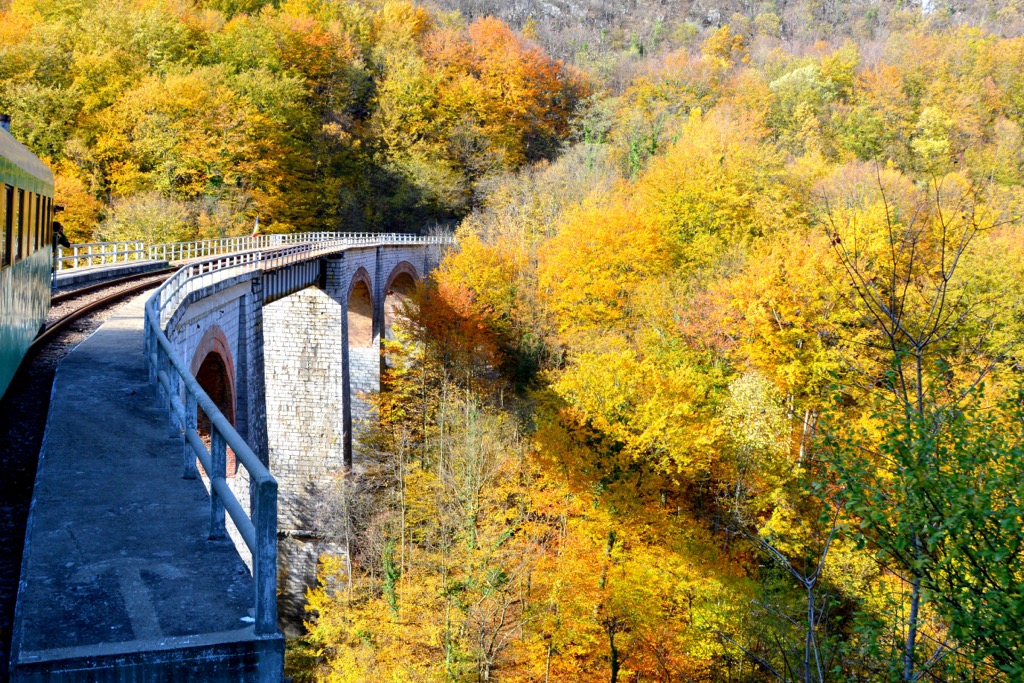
(400, 288)
(214, 371)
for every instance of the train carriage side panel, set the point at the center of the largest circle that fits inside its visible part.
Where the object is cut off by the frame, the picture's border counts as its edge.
(26, 188)
(24, 301)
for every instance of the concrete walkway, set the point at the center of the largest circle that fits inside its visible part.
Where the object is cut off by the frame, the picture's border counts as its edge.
(118, 573)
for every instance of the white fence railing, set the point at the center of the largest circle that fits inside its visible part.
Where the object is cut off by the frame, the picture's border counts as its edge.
(186, 251)
(182, 395)
(104, 253)
(99, 254)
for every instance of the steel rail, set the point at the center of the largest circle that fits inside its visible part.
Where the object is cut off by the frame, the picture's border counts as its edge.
(59, 325)
(74, 293)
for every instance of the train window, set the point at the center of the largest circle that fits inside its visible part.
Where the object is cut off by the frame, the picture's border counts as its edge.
(26, 225)
(44, 221)
(34, 225)
(30, 218)
(17, 218)
(28, 237)
(5, 228)
(11, 225)
(47, 221)
(40, 221)
(27, 212)
(37, 221)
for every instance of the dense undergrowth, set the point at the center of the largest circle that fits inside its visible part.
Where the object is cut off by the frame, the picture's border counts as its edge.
(728, 391)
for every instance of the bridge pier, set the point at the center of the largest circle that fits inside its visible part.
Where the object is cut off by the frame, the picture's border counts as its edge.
(322, 349)
(304, 365)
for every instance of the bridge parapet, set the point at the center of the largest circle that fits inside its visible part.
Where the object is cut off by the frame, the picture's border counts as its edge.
(197, 249)
(274, 273)
(204, 274)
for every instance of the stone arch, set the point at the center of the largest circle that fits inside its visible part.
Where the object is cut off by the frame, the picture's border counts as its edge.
(214, 370)
(360, 311)
(400, 285)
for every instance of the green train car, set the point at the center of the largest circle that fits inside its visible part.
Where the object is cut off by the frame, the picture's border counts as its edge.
(26, 250)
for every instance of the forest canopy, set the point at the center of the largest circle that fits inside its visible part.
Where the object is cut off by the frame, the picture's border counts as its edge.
(167, 120)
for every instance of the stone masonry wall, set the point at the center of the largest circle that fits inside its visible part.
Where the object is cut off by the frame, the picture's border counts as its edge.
(364, 375)
(302, 359)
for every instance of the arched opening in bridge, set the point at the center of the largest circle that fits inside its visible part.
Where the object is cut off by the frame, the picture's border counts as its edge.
(395, 299)
(360, 316)
(214, 378)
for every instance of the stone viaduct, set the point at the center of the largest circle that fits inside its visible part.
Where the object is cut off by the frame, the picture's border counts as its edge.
(284, 342)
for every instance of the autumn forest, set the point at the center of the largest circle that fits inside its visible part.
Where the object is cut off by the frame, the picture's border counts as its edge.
(723, 378)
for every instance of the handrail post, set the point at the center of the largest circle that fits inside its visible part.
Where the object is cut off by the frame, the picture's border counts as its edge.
(149, 343)
(191, 419)
(172, 390)
(264, 559)
(163, 365)
(219, 464)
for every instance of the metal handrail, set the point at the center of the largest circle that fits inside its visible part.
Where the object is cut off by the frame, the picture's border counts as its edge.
(166, 369)
(260, 532)
(185, 251)
(102, 253)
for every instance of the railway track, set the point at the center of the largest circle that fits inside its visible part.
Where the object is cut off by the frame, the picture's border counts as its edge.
(124, 287)
(106, 284)
(23, 411)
